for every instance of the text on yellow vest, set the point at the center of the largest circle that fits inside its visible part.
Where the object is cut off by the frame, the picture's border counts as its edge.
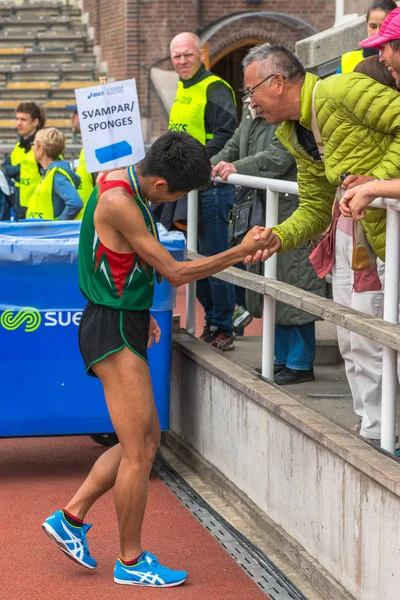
(86, 186)
(41, 203)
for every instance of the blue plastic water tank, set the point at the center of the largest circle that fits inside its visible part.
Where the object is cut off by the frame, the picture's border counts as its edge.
(44, 389)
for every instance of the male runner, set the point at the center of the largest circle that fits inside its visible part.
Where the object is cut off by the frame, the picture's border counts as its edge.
(118, 254)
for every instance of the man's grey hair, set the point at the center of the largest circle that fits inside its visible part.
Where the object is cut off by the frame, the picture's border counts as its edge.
(274, 59)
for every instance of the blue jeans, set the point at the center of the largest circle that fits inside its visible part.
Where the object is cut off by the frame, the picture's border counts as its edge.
(295, 346)
(216, 296)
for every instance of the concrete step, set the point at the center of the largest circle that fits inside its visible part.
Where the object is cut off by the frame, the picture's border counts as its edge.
(39, 71)
(41, 23)
(327, 344)
(26, 39)
(12, 55)
(66, 54)
(33, 9)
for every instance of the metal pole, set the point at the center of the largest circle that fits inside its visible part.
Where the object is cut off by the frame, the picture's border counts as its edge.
(339, 12)
(268, 341)
(391, 314)
(192, 225)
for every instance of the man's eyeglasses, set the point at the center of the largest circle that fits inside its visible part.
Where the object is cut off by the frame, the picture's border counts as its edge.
(249, 93)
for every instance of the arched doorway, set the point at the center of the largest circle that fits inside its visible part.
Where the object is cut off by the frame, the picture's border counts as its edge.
(228, 65)
(227, 62)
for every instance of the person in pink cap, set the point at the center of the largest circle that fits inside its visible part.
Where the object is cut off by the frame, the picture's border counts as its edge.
(387, 40)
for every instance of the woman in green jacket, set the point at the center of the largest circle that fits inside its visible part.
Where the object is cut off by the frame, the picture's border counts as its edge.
(254, 150)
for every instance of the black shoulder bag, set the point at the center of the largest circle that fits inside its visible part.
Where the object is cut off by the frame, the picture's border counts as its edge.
(249, 208)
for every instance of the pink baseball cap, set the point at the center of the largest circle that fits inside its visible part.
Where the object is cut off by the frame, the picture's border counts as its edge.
(390, 30)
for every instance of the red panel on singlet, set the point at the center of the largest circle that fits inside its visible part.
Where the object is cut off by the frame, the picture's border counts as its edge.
(112, 183)
(120, 263)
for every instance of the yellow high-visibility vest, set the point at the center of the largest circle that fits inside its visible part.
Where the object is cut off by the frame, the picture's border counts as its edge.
(86, 186)
(41, 202)
(29, 176)
(187, 112)
(351, 60)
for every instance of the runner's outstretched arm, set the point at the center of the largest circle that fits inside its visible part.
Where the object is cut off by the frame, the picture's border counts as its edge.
(120, 213)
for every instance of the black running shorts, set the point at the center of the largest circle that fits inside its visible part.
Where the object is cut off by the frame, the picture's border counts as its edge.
(104, 330)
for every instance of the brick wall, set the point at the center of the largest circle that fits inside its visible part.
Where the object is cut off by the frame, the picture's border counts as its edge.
(135, 34)
(111, 28)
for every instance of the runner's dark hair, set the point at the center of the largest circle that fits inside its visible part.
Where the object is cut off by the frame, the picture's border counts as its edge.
(181, 160)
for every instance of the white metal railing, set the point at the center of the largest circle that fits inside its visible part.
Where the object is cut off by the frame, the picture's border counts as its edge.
(391, 290)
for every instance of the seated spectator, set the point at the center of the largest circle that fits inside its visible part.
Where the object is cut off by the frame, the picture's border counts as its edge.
(253, 150)
(56, 196)
(20, 166)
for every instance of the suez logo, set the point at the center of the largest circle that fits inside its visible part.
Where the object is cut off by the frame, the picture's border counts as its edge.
(31, 319)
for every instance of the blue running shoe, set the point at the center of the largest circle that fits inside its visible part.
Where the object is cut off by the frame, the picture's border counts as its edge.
(71, 540)
(148, 572)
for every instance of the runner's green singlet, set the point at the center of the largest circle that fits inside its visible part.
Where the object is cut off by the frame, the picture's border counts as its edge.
(123, 281)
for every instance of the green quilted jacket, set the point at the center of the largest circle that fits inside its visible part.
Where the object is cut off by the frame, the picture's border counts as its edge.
(359, 121)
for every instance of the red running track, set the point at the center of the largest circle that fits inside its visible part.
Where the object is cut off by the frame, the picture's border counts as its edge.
(38, 476)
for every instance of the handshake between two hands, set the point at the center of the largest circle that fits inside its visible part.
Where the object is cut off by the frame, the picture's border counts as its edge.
(259, 244)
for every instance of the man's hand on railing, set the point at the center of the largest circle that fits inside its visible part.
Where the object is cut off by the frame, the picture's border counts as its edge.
(259, 245)
(354, 201)
(223, 169)
(352, 181)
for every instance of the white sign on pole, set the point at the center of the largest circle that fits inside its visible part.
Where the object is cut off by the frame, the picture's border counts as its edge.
(110, 125)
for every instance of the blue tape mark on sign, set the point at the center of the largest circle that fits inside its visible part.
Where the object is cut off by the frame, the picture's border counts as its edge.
(113, 152)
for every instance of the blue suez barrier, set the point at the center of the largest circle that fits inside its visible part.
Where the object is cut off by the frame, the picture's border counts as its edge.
(44, 389)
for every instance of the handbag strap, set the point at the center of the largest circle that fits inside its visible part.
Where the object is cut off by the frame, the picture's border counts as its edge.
(269, 135)
(315, 126)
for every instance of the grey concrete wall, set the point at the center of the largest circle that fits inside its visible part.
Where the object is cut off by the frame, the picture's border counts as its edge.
(332, 43)
(335, 496)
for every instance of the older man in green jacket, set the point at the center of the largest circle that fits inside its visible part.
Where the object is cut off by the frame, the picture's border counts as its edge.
(359, 123)
(254, 150)
(353, 123)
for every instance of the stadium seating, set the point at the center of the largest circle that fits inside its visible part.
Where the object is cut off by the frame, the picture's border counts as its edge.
(45, 54)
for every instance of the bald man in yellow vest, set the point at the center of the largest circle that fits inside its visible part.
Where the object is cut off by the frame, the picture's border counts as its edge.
(205, 108)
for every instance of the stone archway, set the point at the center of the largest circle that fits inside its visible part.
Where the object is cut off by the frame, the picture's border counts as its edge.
(297, 25)
(228, 40)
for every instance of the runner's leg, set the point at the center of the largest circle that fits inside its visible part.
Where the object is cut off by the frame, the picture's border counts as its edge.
(129, 396)
(100, 479)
